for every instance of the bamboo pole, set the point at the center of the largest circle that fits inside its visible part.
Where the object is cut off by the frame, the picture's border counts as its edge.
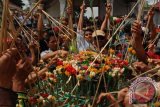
(3, 36)
(140, 11)
(147, 72)
(12, 29)
(56, 22)
(148, 23)
(70, 20)
(28, 15)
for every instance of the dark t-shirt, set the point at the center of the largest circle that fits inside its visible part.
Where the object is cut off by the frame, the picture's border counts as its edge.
(43, 45)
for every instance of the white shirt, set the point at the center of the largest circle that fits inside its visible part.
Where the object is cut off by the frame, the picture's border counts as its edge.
(46, 52)
(82, 44)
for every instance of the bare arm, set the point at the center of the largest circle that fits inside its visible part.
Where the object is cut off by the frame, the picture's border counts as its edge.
(152, 28)
(108, 12)
(137, 42)
(151, 23)
(80, 22)
(58, 53)
(40, 25)
(33, 49)
(49, 55)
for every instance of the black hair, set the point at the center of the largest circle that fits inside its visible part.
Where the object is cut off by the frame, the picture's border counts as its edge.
(88, 29)
(50, 34)
(127, 29)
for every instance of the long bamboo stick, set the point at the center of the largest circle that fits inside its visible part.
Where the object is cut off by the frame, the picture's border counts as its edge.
(3, 35)
(140, 11)
(149, 71)
(28, 15)
(63, 26)
(12, 29)
(148, 23)
(70, 20)
(55, 23)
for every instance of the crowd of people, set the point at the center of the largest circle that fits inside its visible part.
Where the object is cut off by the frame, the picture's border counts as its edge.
(46, 42)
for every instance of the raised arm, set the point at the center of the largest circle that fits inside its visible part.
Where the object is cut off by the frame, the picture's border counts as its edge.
(151, 23)
(137, 42)
(108, 13)
(80, 22)
(40, 25)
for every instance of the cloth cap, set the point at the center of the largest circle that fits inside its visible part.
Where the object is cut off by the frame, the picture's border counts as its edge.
(98, 33)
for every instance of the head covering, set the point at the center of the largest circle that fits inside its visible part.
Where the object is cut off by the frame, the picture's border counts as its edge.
(98, 33)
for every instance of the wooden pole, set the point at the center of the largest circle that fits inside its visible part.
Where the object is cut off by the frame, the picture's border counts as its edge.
(70, 20)
(3, 36)
(22, 24)
(140, 11)
(28, 15)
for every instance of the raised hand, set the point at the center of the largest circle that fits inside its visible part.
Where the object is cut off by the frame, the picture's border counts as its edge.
(136, 29)
(83, 6)
(108, 8)
(137, 39)
(151, 12)
(24, 68)
(69, 10)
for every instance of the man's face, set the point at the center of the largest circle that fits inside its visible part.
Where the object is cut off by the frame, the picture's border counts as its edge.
(101, 41)
(88, 36)
(52, 44)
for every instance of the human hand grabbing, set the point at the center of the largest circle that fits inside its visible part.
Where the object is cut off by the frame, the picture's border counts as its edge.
(69, 10)
(24, 68)
(8, 67)
(40, 8)
(83, 6)
(136, 34)
(140, 66)
(62, 53)
(136, 29)
(151, 12)
(122, 93)
(108, 96)
(108, 8)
